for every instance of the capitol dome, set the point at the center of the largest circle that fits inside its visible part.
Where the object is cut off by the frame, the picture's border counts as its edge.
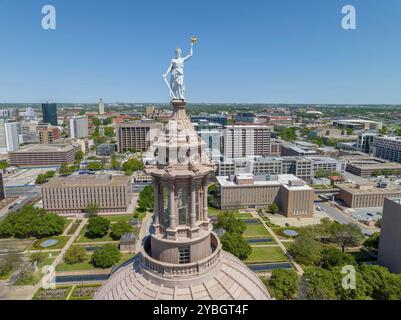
(221, 276)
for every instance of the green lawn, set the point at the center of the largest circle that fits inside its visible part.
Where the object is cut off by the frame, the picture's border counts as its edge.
(67, 224)
(213, 212)
(42, 291)
(266, 254)
(91, 287)
(256, 230)
(62, 240)
(119, 218)
(7, 275)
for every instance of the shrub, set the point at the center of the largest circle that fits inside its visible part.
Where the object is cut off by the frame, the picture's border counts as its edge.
(230, 223)
(333, 257)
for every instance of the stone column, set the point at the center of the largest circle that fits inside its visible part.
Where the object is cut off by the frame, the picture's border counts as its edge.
(193, 206)
(156, 191)
(171, 205)
(205, 211)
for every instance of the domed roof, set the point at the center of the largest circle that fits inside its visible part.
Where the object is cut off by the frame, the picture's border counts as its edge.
(221, 276)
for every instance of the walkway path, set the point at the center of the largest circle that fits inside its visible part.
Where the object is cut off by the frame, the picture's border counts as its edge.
(280, 244)
(146, 222)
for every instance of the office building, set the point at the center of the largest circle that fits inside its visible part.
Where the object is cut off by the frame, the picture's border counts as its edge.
(101, 107)
(9, 136)
(78, 127)
(48, 135)
(216, 118)
(72, 195)
(245, 117)
(365, 140)
(136, 135)
(358, 124)
(387, 148)
(291, 194)
(211, 133)
(44, 155)
(182, 258)
(150, 112)
(8, 113)
(390, 236)
(366, 166)
(243, 141)
(49, 111)
(367, 195)
(298, 149)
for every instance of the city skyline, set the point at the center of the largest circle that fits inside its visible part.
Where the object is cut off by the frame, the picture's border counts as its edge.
(262, 52)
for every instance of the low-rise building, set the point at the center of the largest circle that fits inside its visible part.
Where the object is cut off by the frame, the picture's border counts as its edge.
(292, 195)
(43, 155)
(387, 147)
(367, 195)
(366, 166)
(73, 194)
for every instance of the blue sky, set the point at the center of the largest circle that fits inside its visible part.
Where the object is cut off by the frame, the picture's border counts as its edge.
(265, 51)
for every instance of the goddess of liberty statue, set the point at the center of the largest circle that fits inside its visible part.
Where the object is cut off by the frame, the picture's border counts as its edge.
(176, 71)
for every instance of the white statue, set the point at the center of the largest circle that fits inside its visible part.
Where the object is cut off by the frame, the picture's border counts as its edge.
(176, 70)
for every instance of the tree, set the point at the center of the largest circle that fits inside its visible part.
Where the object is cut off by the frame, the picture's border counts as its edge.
(41, 179)
(3, 165)
(235, 244)
(306, 250)
(106, 256)
(79, 155)
(320, 284)
(96, 121)
(107, 121)
(332, 257)
(119, 229)
(109, 132)
(114, 163)
(65, 170)
(8, 263)
(97, 227)
(284, 284)
(346, 235)
(95, 166)
(376, 279)
(146, 199)
(75, 254)
(230, 223)
(133, 165)
(92, 210)
(373, 241)
(348, 293)
(383, 131)
(274, 208)
(32, 222)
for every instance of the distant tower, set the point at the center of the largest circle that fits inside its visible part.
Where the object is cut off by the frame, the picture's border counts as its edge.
(49, 111)
(101, 107)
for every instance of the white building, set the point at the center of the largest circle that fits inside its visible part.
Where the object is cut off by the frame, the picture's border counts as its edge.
(243, 141)
(9, 136)
(101, 107)
(78, 127)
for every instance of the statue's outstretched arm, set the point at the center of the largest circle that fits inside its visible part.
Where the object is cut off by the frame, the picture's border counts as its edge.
(190, 52)
(168, 70)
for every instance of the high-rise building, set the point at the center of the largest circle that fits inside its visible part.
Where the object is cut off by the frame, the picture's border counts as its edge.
(243, 141)
(49, 111)
(387, 148)
(211, 133)
(101, 107)
(136, 135)
(149, 111)
(390, 236)
(30, 113)
(182, 258)
(48, 135)
(8, 113)
(9, 136)
(78, 127)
